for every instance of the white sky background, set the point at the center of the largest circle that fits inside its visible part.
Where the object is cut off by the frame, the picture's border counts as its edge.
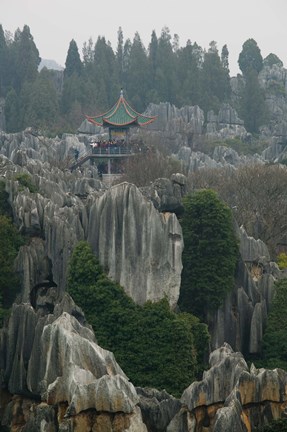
(54, 23)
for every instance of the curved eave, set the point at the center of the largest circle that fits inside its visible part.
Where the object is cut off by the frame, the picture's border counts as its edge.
(92, 120)
(151, 119)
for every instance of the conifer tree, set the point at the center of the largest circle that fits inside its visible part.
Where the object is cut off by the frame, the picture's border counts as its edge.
(3, 61)
(250, 57)
(73, 63)
(25, 58)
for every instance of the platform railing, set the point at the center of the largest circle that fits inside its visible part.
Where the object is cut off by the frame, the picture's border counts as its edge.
(112, 149)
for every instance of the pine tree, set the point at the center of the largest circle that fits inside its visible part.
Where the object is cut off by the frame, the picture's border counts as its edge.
(188, 70)
(73, 64)
(25, 58)
(215, 81)
(138, 75)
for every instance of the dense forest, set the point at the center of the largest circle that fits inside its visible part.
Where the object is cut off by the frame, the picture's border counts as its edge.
(56, 101)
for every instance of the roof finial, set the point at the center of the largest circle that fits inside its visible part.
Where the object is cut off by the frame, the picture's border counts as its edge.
(122, 93)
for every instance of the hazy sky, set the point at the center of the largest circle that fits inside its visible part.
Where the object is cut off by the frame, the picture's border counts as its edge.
(54, 23)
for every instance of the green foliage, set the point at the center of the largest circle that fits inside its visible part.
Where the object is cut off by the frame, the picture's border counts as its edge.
(73, 62)
(12, 111)
(10, 242)
(214, 81)
(25, 58)
(5, 208)
(252, 105)
(26, 181)
(245, 147)
(272, 59)
(282, 260)
(274, 426)
(274, 338)
(210, 253)
(153, 345)
(40, 100)
(250, 58)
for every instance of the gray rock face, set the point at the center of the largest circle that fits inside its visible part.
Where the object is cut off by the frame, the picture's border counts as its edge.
(174, 127)
(56, 358)
(128, 236)
(241, 319)
(157, 407)
(140, 247)
(225, 125)
(223, 157)
(166, 195)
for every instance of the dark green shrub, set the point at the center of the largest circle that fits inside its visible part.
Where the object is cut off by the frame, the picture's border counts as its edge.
(210, 253)
(153, 345)
(274, 338)
(274, 426)
(10, 241)
(25, 180)
(5, 208)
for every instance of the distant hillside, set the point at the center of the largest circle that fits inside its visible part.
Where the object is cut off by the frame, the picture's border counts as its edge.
(50, 64)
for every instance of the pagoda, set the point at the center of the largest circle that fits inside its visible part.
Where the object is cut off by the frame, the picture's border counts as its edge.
(120, 118)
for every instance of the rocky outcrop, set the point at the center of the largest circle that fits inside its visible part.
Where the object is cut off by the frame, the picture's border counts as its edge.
(157, 407)
(226, 124)
(173, 127)
(222, 157)
(140, 247)
(273, 79)
(54, 358)
(166, 194)
(242, 317)
(127, 232)
(231, 396)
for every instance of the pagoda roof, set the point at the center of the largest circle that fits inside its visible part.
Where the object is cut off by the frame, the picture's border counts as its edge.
(121, 115)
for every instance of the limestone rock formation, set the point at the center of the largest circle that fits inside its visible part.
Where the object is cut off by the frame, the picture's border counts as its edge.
(242, 317)
(157, 407)
(126, 231)
(175, 127)
(231, 397)
(140, 247)
(54, 357)
(225, 125)
(166, 194)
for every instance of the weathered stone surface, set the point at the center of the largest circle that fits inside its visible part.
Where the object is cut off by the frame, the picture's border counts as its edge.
(140, 247)
(251, 249)
(225, 125)
(54, 357)
(243, 392)
(166, 195)
(63, 212)
(157, 407)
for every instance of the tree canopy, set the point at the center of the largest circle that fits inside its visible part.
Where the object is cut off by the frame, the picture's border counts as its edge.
(210, 253)
(164, 72)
